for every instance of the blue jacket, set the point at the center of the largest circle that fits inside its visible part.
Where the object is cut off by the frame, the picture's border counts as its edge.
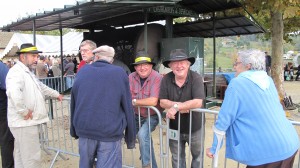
(101, 106)
(3, 97)
(3, 73)
(257, 130)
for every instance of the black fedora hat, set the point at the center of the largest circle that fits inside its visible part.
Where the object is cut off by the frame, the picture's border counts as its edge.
(28, 48)
(142, 57)
(178, 55)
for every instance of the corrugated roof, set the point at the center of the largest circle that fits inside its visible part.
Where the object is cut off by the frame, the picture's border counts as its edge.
(100, 16)
(226, 26)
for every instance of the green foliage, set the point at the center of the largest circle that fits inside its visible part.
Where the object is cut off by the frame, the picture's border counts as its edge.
(182, 19)
(263, 9)
(225, 56)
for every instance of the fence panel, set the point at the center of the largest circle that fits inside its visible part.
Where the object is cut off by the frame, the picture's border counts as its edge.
(55, 136)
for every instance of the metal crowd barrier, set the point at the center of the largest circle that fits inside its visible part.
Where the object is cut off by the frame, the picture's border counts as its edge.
(60, 84)
(55, 136)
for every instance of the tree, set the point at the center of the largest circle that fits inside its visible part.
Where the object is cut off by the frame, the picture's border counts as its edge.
(280, 18)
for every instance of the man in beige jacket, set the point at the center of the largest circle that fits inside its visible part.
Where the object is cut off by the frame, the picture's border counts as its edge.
(26, 107)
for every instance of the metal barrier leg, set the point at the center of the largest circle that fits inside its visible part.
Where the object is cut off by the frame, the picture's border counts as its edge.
(54, 159)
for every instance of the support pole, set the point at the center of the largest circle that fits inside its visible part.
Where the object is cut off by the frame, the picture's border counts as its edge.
(34, 33)
(62, 83)
(214, 56)
(146, 31)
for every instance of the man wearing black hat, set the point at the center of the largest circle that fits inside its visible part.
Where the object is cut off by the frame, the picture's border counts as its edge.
(26, 107)
(144, 87)
(180, 91)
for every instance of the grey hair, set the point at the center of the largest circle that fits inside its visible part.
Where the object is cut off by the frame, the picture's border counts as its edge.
(106, 58)
(254, 57)
(104, 52)
(90, 43)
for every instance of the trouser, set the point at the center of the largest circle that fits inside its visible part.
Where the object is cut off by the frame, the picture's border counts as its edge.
(27, 150)
(6, 145)
(69, 82)
(147, 154)
(6, 138)
(195, 148)
(286, 163)
(109, 154)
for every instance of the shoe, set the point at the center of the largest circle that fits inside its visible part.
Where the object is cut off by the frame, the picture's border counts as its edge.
(148, 166)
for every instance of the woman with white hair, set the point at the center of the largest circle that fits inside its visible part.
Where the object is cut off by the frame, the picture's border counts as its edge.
(257, 132)
(55, 67)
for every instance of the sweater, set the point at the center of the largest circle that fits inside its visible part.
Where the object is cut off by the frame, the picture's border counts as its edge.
(101, 106)
(257, 131)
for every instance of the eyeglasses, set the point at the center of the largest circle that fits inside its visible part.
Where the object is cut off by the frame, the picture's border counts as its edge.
(236, 63)
(84, 50)
(145, 65)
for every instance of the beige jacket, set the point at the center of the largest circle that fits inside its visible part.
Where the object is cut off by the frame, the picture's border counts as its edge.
(25, 92)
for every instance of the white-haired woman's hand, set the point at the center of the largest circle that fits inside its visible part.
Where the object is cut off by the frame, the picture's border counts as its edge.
(208, 153)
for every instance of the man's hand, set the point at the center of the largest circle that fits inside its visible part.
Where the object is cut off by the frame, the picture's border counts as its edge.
(60, 97)
(181, 104)
(29, 115)
(171, 113)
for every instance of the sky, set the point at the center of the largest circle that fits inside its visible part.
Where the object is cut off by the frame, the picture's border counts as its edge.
(11, 10)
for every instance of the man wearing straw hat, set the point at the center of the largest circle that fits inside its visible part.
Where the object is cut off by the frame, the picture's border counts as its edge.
(26, 107)
(180, 91)
(144, 87)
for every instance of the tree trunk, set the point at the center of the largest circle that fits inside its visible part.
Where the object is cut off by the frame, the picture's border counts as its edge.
(277, 52)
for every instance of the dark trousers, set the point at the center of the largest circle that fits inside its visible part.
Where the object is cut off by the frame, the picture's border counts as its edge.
(6, 138)
(286, 163)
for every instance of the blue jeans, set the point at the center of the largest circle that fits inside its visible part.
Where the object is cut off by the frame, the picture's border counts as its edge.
(144, 139)
(109, 154)
(195, 148)
(69, 82)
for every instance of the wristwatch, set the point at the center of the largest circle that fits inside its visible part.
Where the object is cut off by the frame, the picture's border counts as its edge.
(175, 106)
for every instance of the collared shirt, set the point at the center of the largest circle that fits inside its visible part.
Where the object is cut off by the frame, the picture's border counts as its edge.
(193, 88)
(3, 73)
(150, 88)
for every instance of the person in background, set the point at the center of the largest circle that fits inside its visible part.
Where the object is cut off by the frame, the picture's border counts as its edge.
(26, 107)
(101, 111)
(182, 90)
(74, 60)
(298, 72)
(289, 72)
(86, 51)
(144, 88)
(56, 73)
(268, 60)
(9, 64)
(258, 134)
(69, 72)
(121, 64)
(41, 68)
(6, 138)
